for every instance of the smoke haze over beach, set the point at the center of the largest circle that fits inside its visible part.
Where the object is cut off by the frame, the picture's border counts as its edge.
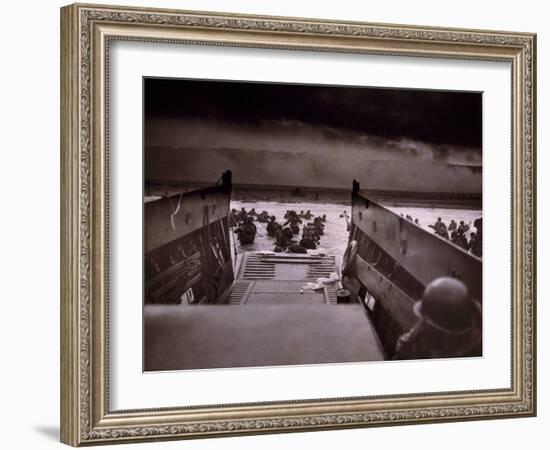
(313, 136)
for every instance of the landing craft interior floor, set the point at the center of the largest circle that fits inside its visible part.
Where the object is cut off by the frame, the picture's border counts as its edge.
(279, 278)
(279, 292)
(222, 336)
(268, 319)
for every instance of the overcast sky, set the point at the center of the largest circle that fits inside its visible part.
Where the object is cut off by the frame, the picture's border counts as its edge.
(439, 117)
(316, 136)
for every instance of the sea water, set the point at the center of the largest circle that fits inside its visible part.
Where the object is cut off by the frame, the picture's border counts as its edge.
(335, 239)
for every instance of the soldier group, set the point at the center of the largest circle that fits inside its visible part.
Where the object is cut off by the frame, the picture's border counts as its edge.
(243, 223)
(459, 234)
(284, 234)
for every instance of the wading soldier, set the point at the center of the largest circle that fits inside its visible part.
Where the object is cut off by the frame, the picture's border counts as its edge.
(271, 227)
(294, 222)
(309, 237)
(476, 244)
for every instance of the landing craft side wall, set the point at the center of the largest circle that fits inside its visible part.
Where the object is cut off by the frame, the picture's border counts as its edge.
(421, 253)
(168, 219)
(187, 253)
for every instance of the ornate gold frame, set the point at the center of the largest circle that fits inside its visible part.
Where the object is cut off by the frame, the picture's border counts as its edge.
(86, 31)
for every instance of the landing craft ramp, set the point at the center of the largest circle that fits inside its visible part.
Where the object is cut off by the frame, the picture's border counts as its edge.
(268, 277)
(265, 319)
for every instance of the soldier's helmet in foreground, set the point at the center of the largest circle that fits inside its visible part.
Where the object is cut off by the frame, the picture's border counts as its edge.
(447, 306)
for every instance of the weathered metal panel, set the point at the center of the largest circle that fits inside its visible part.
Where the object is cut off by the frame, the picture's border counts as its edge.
(187, 254)
(171, 218)
(277, 287)
(215, 336)
(294, 298)
(396, 302)
(424, 255)
(301, 268)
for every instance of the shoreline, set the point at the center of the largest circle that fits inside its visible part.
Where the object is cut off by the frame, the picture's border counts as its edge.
(324, 196)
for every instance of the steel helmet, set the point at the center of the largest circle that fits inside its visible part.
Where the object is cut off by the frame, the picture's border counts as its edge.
(446, 305)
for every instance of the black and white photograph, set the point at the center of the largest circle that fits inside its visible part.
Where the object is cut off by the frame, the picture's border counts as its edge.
(243, 225)
(297, 224)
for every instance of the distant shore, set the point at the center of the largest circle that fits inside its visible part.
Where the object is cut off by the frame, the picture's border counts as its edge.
(324, 196)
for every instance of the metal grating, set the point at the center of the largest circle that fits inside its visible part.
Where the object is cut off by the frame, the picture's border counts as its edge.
(286, 267)
(258, 268)
(238, 292)
(330, 292)
(322, 267)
